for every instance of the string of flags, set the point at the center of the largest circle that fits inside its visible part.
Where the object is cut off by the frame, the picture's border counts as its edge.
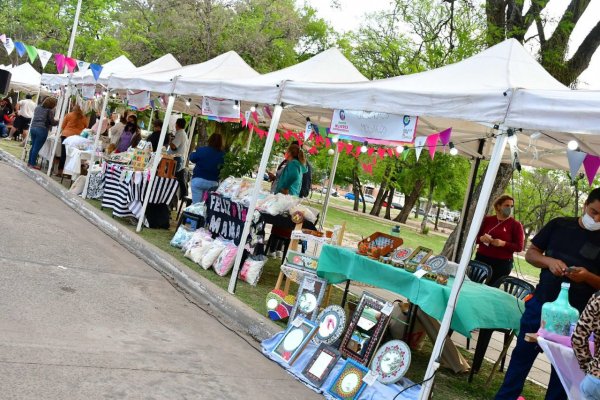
(61, 61)
(590, 162)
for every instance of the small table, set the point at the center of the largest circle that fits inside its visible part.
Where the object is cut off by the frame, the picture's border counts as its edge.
(565, 364)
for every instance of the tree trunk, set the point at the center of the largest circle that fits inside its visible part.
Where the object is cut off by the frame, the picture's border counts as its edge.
(427, 207)
(437, 217)
(496, 21)
(355, 189)
(388, 214)
(502, 179)
(410, 201)
(383, 190)
(376, 209)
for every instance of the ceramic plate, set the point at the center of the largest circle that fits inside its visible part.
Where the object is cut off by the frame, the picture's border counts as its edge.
(391, 361)
(401, 254)
(437, 263)
(331, 325)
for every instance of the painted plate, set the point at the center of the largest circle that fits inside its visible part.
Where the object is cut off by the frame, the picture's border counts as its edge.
(401, 254)
(437, 263)
(331, 324)
(391, 361)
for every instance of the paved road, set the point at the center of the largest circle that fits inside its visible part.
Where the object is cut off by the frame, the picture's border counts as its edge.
(82, 318)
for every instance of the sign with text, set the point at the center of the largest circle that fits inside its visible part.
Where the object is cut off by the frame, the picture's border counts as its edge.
(223, 108)
(225, 217)
(374, 125)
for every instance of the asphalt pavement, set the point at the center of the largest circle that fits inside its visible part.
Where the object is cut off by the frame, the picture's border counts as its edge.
(82, 318)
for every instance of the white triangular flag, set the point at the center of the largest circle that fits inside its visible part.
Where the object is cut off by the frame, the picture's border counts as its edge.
(82, 65)
(44, 56)
(308, 130)
(575, 160)
(9, 45)
(419, 144)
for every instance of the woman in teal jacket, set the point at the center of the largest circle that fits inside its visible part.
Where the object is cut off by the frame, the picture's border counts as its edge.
(290, 181)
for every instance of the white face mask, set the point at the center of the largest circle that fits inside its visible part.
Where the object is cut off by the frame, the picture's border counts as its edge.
(589, 223)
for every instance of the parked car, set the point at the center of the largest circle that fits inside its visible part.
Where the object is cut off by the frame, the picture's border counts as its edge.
(396, 206)
(334, 192)
(369, 198)
(349, 196)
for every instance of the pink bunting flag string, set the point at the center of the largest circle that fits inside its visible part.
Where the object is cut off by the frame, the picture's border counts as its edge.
(445, 136)
(591, 164)
(71, 64)
(59, 59)
(432, 143)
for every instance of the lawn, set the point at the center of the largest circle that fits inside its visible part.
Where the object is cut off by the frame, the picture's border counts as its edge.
(11, 147)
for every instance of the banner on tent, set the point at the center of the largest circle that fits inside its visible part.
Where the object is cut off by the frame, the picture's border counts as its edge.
(138, 99)
(223, 108)
(375, 125)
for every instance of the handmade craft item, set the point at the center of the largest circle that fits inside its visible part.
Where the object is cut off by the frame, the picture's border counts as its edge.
(309, 297)
(398, 256)
(418, 256)
(332, 323)
(320, 365)
(391, 361)
(378, 244)
(294, 339)
(349, 384)
(437, 263)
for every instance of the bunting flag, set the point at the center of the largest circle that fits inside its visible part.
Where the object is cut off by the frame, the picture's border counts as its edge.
(432, 143)
(368, 168)
(307, 130)
(341, 147)
(591, 164)
(9, 45)
(575, 160)
(82, 66)
(96, 70)
(267, 111)
(71, 64)
(419, 144)
(277, 138)
(357, 151)
(381, 152)
(404, 154)
(3, 38)
(246, 119)
(370, 151)
(31, 52)
(44, 56)
(349, 147)
(313, 150)
(20, 48)
(327, 143)
(255, 116)
(59, 59)
(445, 136)
(390, 152)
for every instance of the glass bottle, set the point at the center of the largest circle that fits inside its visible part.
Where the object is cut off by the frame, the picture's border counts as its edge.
(559, 316)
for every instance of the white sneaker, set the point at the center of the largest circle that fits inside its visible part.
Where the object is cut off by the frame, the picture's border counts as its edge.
(279, 254)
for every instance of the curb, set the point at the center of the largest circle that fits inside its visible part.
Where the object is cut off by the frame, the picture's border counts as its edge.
(228, 309)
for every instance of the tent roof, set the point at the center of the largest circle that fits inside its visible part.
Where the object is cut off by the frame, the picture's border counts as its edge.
(224, 67)
(164, 63)
(329, 66)
(24, 78)
(119, 64)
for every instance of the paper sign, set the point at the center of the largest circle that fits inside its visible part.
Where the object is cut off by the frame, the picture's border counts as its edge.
(138, 99)
(223, 108)
(370, 378)
(297, 322)
(374, 125)
(387, 309)
(420, 273)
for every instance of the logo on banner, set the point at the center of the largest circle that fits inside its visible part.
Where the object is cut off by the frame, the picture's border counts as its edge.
(406, 120)
(374, 125)
(342, 115)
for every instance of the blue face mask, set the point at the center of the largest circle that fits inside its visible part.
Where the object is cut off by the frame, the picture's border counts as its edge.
(506, 211)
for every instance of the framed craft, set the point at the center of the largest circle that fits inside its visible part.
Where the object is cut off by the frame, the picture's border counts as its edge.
(331, 325)
(348, 384)
(294, 339)
(366, 328)
(419, 256)
(437, 263)
(301, 260)
(309, 297)
(391, 361)
(320, 365)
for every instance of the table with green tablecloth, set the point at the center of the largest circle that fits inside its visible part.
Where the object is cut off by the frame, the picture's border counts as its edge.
(479, 306)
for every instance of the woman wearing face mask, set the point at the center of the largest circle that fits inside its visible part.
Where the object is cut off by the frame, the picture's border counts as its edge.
(500, 236)
(566, 249)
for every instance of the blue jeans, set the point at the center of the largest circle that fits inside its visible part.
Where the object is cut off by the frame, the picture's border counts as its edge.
(523, 356)
(201, 186)
(590, 388)
(38, 138)
(3, 130)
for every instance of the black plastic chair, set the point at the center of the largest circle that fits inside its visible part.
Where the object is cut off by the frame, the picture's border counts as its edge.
(519, 289)
(479, 272)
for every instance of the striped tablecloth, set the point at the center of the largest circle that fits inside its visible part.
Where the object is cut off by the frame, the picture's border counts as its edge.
(124, 190)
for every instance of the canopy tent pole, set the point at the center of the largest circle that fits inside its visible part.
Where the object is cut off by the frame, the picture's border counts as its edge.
(250, 132)
(190, 136)
(64, 107)
(257, 187)
(157, 157)
(480, 211)
(96, 142)
(468, 198)
(151, 118)
(334, 165)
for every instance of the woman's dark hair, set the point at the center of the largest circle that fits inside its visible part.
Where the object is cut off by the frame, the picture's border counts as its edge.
(134, 118)
(593, 196)
(157, 122)
(216, 141)
(501, 199)
(297, 153)
(180, 123)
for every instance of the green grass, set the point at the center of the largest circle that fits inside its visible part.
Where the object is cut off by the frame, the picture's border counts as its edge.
(11, 147)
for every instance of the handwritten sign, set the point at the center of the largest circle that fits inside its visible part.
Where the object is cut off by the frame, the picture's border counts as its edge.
(225, 217)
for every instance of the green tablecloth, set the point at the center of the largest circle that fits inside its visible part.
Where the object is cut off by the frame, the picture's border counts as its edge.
(479, 306)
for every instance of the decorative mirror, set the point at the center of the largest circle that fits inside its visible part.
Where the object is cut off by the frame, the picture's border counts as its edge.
(437, 263)
(419, 256)
(309, 297)
(366, 328)
(294, 339)
(391, 361)
(349, 384)
(320, 365)
(331, 324)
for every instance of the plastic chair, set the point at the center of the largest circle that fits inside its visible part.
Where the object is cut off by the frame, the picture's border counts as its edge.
(479, 272)
(519, 289)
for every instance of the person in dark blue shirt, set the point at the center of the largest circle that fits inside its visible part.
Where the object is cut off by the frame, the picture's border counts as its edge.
(209, 160)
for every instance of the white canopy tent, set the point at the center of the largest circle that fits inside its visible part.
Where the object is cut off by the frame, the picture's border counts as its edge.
(476, 94)
(118, 65)
(24, 78)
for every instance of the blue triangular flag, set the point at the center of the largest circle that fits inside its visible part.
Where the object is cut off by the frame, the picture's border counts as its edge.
(20, 48)
(575, 160)
(96, 70)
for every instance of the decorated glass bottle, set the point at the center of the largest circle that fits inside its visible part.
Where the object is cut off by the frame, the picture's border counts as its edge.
(559, 316)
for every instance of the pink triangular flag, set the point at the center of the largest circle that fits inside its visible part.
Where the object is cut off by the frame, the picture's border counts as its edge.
(277, 138)
(591, 164)
(575, 160)
(445, 136)
(368, 168)
(71, 64)
(381, 152)
(349, 147)
(59, 59)
(390, 151)
(340, 147)
(313, 150)
(432, 143)
(357, 152)
(370, 150)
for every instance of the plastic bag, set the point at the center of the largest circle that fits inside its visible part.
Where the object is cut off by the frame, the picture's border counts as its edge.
(181, 237)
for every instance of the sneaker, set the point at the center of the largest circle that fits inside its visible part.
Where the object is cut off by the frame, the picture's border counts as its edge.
(279, 254)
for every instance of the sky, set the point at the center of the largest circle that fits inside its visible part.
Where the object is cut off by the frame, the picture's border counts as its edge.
(351, 13)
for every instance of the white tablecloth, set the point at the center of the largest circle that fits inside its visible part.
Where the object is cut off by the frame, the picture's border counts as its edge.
(47, 148)
(73, 160)
(565, 363)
